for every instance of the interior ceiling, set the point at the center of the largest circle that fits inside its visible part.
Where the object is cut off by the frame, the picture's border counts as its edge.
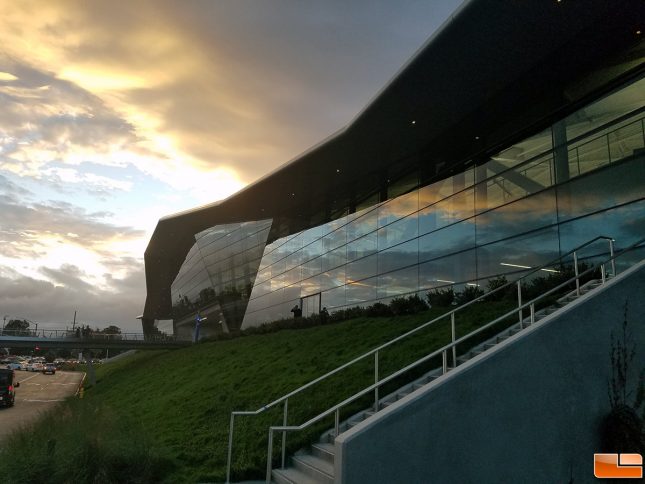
(494, 72)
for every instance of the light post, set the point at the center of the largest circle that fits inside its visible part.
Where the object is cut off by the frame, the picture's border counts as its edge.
(4, 320)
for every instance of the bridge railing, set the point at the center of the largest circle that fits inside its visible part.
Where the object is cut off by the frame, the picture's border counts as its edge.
(85, 335)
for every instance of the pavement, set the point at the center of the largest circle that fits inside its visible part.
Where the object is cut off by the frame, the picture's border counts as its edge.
(37, 393)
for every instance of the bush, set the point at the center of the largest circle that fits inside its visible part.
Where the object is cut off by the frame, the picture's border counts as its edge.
(468, 294)
(441, 297)
(407, 305)
(496, 283)
(378, 310)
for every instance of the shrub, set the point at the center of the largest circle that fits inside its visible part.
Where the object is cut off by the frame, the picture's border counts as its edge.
(496, 283)
(468, 294)
(378, 310)
(441, 297)
(407, 305)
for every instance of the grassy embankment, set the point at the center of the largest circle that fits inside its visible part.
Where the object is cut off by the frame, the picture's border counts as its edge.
(164, 415)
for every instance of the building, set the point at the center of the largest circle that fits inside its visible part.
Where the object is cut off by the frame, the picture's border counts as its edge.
(515, 134)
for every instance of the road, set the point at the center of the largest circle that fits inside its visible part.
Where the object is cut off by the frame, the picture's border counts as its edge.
(36, 394)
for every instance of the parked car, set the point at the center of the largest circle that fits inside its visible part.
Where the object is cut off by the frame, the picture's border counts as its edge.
(34, 367)
(49, 368)
(14, 366)
(7, 387)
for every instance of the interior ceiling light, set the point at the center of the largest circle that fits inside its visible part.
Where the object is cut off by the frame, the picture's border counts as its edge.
(443, 280)
(514, 265)
(472, 284)
(526, 267)
(414, 122)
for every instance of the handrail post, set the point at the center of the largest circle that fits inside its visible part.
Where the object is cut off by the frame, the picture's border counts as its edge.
(376, 381)
(575, 268)
(230, 449)
(519, 302)
(284, 432)
(444, 363)
(454, 348)
(602, 274)
(269, 456)
(336, 422)
(611, 254)
(532, 313)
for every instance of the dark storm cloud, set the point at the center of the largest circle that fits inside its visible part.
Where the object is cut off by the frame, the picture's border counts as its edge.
(44, 301)
(240, 84)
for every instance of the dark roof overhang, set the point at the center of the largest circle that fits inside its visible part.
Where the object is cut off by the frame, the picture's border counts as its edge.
(493, 72)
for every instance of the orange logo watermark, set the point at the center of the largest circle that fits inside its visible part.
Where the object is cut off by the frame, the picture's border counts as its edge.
(612, 466)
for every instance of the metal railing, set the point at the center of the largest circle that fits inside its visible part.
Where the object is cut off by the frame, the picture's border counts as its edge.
(69, 334)
(452, 348)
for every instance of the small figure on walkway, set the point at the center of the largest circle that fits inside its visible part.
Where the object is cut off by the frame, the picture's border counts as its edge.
(297, 312)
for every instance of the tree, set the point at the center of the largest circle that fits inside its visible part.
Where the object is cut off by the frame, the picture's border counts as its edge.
(111, 330)
(17, 327)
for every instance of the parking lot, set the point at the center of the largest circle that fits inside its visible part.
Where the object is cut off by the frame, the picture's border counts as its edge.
(36, 394)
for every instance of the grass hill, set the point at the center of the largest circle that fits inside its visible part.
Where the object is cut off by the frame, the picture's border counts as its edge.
(163, 416)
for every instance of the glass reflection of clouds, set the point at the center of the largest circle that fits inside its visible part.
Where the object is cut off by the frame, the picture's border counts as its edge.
(520, 208)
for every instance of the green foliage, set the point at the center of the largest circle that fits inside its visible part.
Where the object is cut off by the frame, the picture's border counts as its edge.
(82, 443)
(407, 305)
(468, 294)
(181, 400)
(622, 429)
(442, 298)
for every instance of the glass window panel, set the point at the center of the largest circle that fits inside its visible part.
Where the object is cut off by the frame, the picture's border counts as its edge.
(333, 298)
(334, 239)
(312, 267)
(626, 224)
(398, 282)
(590, 155)
(332, 278)
(334, 258)
(627, 140)
(626, 100)
(362, 268)
(366, 245)
(453, 209)
(603, 189)
(361, 292)
(398, 231)
(399, 256)
(435, 192)
(294, 259)
(310, 285)
(525, 149)
(448, 240)
(312, 250)
(398, 208)
(364, 224)
(518, 217)
(448, 270)
(529, 250)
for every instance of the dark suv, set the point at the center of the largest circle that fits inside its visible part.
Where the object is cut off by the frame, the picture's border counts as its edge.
(7, 387)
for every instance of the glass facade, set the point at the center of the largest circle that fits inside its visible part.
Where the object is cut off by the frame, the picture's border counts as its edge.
(583, 176)
(217, 276)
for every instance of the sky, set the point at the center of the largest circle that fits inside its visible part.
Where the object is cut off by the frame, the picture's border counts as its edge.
(114, 114)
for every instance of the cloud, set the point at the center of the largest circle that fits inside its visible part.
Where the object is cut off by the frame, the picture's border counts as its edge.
(54, 303)
(231, 86)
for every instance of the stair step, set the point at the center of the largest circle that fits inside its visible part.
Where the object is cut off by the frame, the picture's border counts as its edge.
(316, 468)
(291, 476)
(404, 393)
(324, 451)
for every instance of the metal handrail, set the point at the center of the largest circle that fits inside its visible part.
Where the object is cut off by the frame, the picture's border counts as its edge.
(71, 334)
(375, 351)
(443, 351)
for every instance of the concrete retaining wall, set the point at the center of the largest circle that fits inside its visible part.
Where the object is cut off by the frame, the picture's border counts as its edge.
(527, 411)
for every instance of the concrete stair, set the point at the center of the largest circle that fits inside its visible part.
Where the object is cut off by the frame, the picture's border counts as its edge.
(315, 465)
